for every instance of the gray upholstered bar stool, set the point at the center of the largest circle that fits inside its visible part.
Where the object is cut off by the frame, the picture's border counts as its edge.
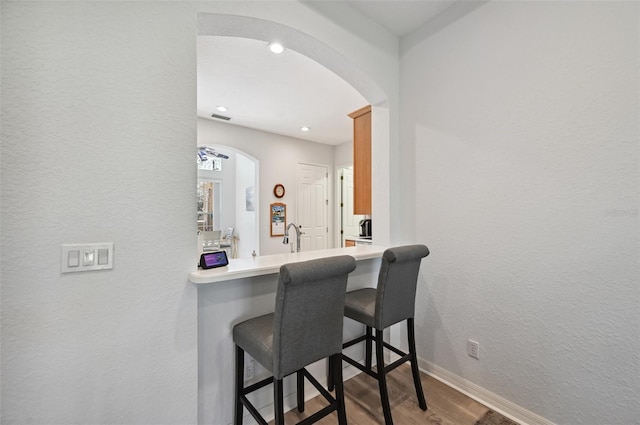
(305, 327)
(378, 308)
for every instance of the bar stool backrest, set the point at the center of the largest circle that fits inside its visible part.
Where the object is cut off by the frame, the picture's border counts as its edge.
(309, 310)
(397, 281)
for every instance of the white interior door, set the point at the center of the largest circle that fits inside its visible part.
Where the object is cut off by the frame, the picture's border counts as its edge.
(313, 206)
(349, 221)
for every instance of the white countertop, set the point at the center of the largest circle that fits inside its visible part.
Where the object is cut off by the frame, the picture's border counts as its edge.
(358, 239)
(239, 268)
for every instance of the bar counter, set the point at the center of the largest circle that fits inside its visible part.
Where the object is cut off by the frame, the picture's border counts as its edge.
(239, 268)
(244, 289)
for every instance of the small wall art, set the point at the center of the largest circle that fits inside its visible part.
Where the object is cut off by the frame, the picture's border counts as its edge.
(278, 218)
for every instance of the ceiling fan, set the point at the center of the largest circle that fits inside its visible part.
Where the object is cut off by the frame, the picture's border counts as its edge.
(203, 151)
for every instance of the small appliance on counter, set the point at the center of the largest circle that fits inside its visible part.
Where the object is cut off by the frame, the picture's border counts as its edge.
(365, 228)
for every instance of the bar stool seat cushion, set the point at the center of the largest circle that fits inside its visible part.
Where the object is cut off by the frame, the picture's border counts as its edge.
(256, 337)
(360, 305)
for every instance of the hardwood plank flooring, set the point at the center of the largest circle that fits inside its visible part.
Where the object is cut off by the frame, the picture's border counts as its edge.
(446, 406)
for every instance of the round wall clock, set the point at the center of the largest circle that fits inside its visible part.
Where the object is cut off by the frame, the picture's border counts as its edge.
(278, 190)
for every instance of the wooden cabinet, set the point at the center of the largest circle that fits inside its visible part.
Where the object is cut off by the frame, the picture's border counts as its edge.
(362, 160)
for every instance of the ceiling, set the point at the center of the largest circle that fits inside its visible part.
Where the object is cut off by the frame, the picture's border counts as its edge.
(282, 93)
(274, 93)
(400, 17)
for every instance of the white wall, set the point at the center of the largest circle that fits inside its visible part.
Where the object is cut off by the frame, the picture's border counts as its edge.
(98, 140)
(114, 81)
(343, 153)
(524, 119)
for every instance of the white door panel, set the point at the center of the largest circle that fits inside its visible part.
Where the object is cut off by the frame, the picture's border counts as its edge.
(312, 206)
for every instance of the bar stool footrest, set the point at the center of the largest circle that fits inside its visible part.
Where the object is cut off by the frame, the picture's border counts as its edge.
(354, 341)
(397, 363)
(394, 349)
(251, 408)
(333, 403)
(362, 368)
(251, 388)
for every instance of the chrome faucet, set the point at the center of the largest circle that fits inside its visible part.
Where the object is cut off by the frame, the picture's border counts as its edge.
(286, 236)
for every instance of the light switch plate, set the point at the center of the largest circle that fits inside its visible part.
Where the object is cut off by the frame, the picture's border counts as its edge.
(87, 257)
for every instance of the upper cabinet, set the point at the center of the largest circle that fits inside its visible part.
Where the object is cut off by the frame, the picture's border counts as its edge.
(362, 160)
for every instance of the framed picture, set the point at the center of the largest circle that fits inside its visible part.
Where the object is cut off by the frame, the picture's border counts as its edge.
(250, 198)
(278, 218)
(216, 164)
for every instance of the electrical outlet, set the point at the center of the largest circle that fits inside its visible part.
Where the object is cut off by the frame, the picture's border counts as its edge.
(249, 369)
(473, 349)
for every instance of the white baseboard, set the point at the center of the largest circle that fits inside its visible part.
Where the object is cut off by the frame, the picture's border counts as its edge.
(483, 396)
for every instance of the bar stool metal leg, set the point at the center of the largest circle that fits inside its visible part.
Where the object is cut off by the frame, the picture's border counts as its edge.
(382, 380)
(278, 405)
(368, 339)
(414, 364)
(330, 380)
(300, 390)
(336, 362)
(239, 385)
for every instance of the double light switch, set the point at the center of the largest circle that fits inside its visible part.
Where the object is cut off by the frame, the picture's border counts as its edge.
(86, 257)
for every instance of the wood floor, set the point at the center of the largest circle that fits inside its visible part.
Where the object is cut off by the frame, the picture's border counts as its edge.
(446, 405)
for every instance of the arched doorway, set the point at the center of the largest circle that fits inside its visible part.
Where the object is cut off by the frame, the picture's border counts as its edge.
(212, 400)
(228, 197)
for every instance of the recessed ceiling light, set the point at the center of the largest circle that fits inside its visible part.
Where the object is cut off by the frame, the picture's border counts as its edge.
(276, 48)
(222, 108)
(305, 128)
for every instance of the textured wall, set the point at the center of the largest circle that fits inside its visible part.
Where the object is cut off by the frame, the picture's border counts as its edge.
(525, 122)
(94, 151)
